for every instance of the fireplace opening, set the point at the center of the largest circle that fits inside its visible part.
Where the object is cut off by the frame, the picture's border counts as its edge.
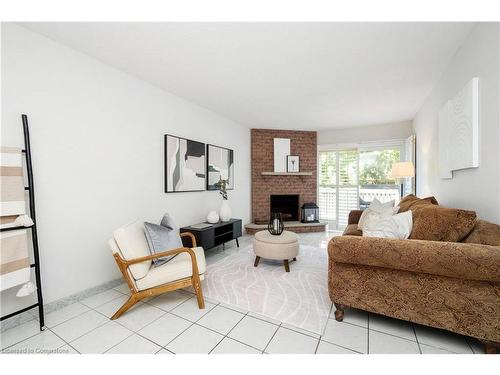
(287, 205)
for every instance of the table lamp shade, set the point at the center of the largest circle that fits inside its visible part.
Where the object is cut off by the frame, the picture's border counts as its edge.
(402, 169)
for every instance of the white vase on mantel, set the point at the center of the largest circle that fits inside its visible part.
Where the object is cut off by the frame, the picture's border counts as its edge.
(225, 211)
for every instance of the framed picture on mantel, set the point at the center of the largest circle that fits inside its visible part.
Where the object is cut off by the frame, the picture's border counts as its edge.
(292, 163)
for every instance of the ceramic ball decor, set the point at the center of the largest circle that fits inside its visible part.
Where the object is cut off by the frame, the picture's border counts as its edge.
(213, 217)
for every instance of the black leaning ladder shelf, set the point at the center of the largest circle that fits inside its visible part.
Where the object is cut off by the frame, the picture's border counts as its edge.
(36, 265)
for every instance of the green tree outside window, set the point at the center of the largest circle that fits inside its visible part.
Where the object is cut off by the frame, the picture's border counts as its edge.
(375, 166)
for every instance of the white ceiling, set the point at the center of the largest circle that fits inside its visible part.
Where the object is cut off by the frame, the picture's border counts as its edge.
(279, 75)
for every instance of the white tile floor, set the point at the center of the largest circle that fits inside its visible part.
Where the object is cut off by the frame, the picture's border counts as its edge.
(172, 323)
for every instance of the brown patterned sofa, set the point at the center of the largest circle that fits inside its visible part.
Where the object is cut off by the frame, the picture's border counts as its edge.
(443, 284)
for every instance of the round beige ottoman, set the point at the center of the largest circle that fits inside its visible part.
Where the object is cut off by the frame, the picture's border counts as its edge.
(282, 247)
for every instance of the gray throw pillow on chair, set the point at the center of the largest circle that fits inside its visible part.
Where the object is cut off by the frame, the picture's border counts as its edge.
(162, 237)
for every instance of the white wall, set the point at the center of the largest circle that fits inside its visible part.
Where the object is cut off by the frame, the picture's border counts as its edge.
(479, 188)
(97, 144)
(399, 130)
(498, 153)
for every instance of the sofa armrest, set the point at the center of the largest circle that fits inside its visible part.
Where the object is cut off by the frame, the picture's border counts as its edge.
(354, 216)
(452, 259)
(352, 230)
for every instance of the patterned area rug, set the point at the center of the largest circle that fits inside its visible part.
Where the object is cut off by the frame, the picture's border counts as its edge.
(298, 298)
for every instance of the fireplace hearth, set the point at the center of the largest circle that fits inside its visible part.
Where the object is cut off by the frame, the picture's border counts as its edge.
(287, 205)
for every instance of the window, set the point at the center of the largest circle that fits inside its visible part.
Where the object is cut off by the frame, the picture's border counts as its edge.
(350, 178)
(338, 185)
(348, 189)
(374, 166)
(328, 186)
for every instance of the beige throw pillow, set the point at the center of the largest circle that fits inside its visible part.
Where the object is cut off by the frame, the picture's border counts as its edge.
(437, 223)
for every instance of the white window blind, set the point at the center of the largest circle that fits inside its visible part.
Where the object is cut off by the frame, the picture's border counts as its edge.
(348, 190)
(328, 187)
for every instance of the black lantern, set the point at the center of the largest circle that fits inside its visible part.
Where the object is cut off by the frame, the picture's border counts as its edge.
(310, 213)
(275, 226)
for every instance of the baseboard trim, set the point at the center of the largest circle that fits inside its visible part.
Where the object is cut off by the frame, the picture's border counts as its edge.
(57, 305)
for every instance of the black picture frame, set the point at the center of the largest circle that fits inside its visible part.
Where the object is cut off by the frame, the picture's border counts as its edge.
(210, 186)
(292, 159)
(197, 148)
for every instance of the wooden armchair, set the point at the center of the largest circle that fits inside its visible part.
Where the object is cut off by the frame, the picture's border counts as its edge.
(131, 253)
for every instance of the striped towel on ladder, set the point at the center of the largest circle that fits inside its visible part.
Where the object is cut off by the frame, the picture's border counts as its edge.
(14, 257)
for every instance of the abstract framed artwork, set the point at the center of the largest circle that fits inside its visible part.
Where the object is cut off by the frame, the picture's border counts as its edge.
(220, 165)
(184, 165)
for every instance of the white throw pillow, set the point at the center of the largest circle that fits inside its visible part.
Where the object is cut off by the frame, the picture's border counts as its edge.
(376, 204)
(375, 211)
(396, 226)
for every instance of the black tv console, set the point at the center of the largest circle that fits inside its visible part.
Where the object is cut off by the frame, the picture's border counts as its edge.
(216, 234)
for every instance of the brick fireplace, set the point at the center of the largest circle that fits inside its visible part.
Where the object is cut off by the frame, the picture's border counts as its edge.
(302, 143)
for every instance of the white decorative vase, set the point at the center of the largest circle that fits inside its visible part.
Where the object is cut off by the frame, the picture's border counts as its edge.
(213, 217)
(225, 211)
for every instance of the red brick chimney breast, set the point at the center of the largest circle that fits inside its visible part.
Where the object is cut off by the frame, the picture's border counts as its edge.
(302, 143)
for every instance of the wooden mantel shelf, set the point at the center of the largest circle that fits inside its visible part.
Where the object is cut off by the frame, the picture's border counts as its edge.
(287, 173)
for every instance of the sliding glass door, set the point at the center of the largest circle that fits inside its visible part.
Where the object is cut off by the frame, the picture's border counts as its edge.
(348, 187)
(338, 185)
(327, 192)
(375, 165)
(350, 178)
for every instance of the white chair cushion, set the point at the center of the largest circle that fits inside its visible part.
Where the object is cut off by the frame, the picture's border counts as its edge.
(132, 243)
(115, 249)
(175, 269)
